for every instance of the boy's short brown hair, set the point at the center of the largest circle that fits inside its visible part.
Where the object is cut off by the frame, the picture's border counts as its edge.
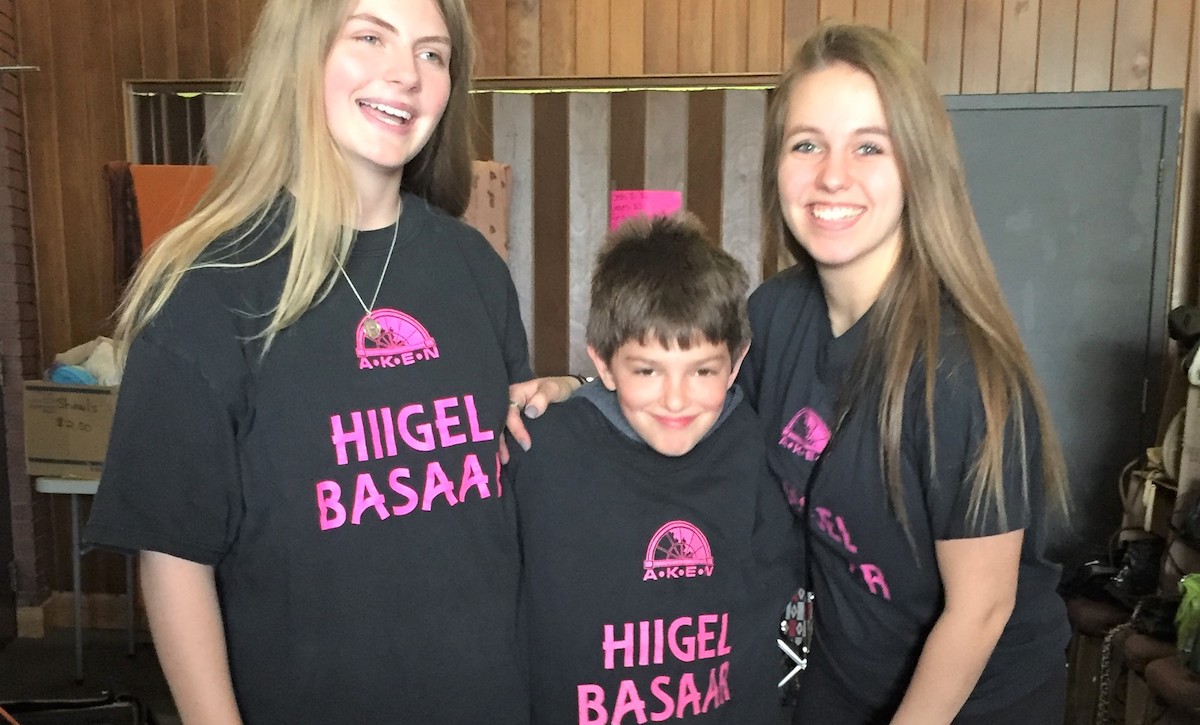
(663, 277)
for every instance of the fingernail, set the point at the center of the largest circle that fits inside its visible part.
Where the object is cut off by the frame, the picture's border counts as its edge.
(531, 412)
(524, 445)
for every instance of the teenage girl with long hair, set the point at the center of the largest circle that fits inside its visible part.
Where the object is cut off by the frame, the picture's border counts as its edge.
(904, 418)
(305, 447)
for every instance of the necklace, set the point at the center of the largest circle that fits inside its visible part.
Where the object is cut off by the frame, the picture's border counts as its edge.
(371, 326)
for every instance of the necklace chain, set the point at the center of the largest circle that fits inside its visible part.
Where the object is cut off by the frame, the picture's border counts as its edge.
(370, 324)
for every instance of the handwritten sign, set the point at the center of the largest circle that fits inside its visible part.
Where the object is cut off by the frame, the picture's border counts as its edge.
(627, 203)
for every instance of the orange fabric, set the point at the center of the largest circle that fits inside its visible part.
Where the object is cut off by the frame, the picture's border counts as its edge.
(166, 195)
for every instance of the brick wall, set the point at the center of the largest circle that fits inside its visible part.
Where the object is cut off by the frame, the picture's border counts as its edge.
(19, 344)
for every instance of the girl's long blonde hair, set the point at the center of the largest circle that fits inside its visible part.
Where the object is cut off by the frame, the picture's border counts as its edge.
(279, 140)
(942, 258)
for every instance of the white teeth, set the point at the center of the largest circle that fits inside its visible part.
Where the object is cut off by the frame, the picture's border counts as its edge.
(835, 213)
(398, 113)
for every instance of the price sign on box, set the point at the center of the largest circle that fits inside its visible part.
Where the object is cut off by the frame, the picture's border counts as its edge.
(66, 428)
(627, 203)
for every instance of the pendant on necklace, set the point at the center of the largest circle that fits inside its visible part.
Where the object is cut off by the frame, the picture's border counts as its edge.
(372, 328)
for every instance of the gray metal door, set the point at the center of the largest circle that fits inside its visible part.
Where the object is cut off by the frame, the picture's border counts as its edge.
(1074, 194)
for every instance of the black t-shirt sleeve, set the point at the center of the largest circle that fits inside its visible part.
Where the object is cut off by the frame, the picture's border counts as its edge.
(171, 479)
(516, 346)
(958, 432)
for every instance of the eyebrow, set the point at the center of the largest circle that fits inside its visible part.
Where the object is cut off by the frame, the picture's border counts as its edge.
(874, 130)
(376, 20)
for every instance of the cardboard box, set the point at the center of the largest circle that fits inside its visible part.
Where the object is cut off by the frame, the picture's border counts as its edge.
(488, 210)
(66, 428)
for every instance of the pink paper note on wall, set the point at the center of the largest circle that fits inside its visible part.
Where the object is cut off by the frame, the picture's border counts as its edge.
(630, 202)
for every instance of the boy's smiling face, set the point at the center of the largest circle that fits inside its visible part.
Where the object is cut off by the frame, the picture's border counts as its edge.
(671, 396)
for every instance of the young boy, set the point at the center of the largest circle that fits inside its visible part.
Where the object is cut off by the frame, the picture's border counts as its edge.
(658, 551)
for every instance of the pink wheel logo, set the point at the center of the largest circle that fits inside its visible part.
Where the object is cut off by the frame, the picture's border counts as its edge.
(678, 550)
(400, 341)
(805, 434)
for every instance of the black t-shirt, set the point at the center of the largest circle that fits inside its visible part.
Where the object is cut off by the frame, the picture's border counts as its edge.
(653, 585)
(877, 594)
(346, 491)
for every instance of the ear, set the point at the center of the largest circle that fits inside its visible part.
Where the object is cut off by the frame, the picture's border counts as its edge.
(737, 365)
(602, 369)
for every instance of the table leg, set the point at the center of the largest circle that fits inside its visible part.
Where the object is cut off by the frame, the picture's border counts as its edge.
(76, 580)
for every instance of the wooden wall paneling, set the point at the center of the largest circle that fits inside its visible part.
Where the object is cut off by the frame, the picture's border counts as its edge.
(981, 46)
(248, 12)
(741, 223)
(551, 232)
(1057, 38)
(1094, 45)
(1186, 277)
(224, 38)
(512, 144)
(159, 59)
(127, 50)
(909, 19)
(836, 11)
(627, 124)
(627, 51)
(731, 36)
(764, 31)
(800, 18)
(558, 37)
(662, 37)
(1172, 23)
(490, 20)
(592, 33)
(705, 139)
(524, 38)
(873, 12)
(696, 36)
(191, 38)
(944, 44)
(1019, 45)
(666, 147)
(589, 186)
(1132, 45)
(47, 209)
(481, 133)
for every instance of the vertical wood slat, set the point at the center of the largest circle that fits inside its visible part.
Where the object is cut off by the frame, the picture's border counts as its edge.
(764, 31)
(981, 47)
(1057, 39)
(800, 18)
(705, 136)
(666, 148)
(836, 11)
(490, 20)
(481, 133)
(127, 62)
(1019, 45)
(661, 39)
(627, 52)
(1132, 45)
(551, 232)
(873, 12)
(46, 167)
(101, 97)
(627, 125)
(224, 39)
(731, 37)
(909, 18)
(558, 37)
(191, 39)
(159, 58)
(248, 12)
(523, 37)
(696, 36)
(741, 223)
(1169, 63)
(1094, 45)
(944, 53)
(588, 209)
(592, 32)
(512, 143)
